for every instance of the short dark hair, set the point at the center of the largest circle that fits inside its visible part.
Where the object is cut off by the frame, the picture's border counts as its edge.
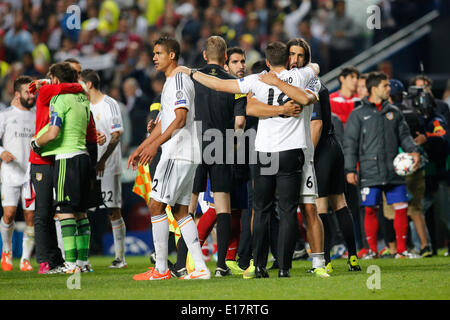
(348, 71)
(72, 60)
(259, 66)
(21, 81)
(232, 51)
(277, 54)
(363, 76)
(374, 79)
(89, 75)
(423, 77)
(170, 44)
(302, 43)
(63, 71)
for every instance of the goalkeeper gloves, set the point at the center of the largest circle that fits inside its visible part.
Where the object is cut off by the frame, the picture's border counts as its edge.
(36, 148)
(35, 85)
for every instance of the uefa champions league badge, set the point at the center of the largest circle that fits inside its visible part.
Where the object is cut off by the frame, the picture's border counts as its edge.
(179, 94)
(390, 115)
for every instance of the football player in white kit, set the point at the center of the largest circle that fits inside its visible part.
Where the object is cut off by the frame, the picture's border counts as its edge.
(108, 119)
(299, 56)
(17, 126)
(172, 183)
(281, 135)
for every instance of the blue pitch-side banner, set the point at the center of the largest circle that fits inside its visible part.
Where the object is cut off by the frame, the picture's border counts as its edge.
(136, 243)
(16, 243)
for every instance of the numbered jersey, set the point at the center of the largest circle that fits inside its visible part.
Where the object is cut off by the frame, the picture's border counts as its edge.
(280, 133)
(17, 127)
(108, 119)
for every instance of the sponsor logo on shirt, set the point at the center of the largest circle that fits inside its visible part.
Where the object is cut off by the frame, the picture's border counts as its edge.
(180, 102)
(115, 126)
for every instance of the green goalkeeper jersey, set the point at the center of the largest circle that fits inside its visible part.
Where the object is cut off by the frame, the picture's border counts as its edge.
(70, 112)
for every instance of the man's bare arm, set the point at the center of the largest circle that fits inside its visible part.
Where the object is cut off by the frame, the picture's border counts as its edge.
(316, 131)
(229, 85)
(301, 96)
(48, 136)
(259, 109)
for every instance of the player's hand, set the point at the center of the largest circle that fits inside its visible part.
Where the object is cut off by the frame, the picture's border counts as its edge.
(269, 78)
(292, 109)
(420, 139)
(133, 160)
(36, 148)
(7, 156)
(315, 67)
(35, 85)
(101, 138)
(100, 168)
(151, 125)
(416, 157)
(352, 178)
(147, 154)
(180, 69)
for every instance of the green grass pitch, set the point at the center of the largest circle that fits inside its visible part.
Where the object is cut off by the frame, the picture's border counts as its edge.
(420, 279)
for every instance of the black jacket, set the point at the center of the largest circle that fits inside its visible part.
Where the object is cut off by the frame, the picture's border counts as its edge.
(372, 138)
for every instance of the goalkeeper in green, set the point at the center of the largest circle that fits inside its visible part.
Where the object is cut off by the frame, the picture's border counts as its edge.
(65, 138)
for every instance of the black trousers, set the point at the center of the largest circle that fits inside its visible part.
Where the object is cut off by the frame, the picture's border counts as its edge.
(285, 183)
(44, 225)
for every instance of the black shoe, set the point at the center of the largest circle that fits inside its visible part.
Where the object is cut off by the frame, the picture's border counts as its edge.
(261, 272)
(153, 260)
(178, 273)
(221, 272)
(274, 266)
(426, 252)
(300, 255)
(284, 273)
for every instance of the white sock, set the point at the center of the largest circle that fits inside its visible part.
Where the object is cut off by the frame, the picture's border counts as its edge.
(81, 263)
(60, 239)
(160, 230)
(190, 235)
(7, 233)
(119, 234)
(27, 243)
(318, 261)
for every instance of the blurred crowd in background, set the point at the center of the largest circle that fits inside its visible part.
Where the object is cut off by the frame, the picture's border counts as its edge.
(116, 38)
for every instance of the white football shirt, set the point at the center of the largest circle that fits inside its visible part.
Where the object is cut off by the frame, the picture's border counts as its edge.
(17, 127)
(108, 119)
(179, 92)
(277, 134)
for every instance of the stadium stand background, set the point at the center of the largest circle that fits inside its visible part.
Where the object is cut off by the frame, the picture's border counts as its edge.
(115, 38)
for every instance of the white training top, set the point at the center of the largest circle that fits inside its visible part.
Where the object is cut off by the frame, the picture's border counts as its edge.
(17, 127)
(108, 119)
(277, 134)
(179, 92)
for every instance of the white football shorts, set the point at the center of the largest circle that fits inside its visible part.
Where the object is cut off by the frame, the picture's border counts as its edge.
(173, 181)
(11, 195)
(308, 187)
(112, 190)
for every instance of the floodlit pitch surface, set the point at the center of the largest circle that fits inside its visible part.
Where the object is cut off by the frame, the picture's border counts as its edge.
(421, 279)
